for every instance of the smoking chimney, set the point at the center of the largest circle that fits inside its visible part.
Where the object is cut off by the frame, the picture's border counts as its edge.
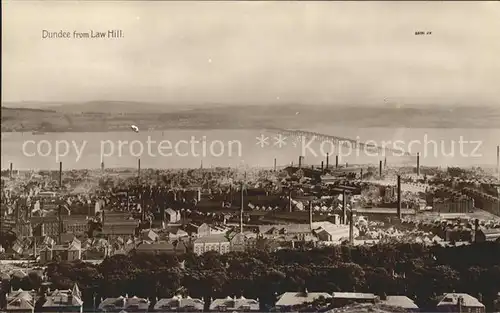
(327, 160)
(300, 161)
(102, 166)
(399, 196)
(275, 164)
(380, 168)
(60, 174)
(346, 164)
(322, 168)
(336, 161)
(10, 170)
(418, 164)
(385, 162)
(498, 159)
(344, 207)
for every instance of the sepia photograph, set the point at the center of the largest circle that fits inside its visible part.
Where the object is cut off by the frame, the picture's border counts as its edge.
(250, 156)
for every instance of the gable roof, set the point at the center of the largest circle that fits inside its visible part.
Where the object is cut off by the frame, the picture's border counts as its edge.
(452, 299)
(235, 304)
(19, 304)
(179, 302)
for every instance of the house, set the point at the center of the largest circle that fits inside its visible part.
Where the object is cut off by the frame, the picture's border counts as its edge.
(63, 301)
(289, 300)
(234, 305)
(197, 231)
(238, 242)
(399, 302)
(217, 243)
(121, 303)
(20, 301)
(179, 304)
(65, 252)
(177, 233)
(161, 247)
(172, 216)
(330, 232)
(341, 299)
(120, 229)
(460, 302)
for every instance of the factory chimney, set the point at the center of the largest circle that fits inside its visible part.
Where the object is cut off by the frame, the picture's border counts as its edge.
(380, 169)
(399, 196)
(327, 160)
(361, 174)
(351, 227)
(138, 170)
(344, 207)
(385, 162)
(311, 215)
(10, 171)
(346, 164)
(241, 211)
(336, 161)
(418, 164)
(290, 200)
(59, 209)
(275, 164)
(498, 160)
(322, 166)
(300, 161)
(60, 174)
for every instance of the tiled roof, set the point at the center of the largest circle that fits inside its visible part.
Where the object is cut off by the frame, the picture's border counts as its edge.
(159, 246)
(217, 238)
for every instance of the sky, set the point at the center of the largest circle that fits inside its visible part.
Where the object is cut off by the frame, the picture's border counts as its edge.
(363, 53)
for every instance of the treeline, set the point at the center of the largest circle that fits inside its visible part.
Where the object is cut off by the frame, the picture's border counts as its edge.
(419, 272)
